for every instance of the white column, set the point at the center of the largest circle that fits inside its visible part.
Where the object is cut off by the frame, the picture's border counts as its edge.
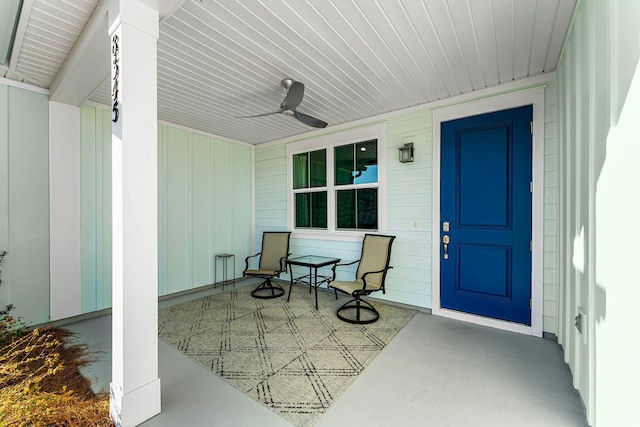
(64, 212)
(135, 386)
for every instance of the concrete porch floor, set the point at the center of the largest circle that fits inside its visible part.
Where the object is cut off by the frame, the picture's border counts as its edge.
(436, 371)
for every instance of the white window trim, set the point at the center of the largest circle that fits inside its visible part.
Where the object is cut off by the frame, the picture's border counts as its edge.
(379, 132)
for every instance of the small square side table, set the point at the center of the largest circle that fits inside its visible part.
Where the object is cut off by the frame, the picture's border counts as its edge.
(313, 262)
(224, 258)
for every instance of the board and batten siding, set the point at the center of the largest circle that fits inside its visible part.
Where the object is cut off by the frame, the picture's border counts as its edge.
(24, 202)
(598, 99)
(409, 211)
(95, 208)
(204, 207)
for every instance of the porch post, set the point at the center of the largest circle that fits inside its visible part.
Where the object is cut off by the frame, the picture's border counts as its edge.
(135, 386)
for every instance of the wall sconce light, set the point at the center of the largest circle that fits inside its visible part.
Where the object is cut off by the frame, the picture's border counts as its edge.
(406, 152)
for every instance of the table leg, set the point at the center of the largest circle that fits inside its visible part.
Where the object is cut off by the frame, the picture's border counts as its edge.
(291, 281)
(315, 285)
(224, 272)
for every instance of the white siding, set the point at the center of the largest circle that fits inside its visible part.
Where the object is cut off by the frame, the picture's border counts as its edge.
(409, 209)
(204, 207)
(95, 208)
(24, 202)
(598, 105)
(270, 190)
(550, 273)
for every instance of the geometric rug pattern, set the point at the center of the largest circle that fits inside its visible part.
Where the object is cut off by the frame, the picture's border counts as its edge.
(288, 356)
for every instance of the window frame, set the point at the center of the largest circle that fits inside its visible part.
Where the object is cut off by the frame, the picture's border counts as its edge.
(328, 142)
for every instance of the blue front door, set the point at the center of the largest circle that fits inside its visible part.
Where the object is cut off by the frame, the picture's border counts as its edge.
(485, 196)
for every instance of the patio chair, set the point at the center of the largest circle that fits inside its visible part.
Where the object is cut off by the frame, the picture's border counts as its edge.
(275, 250)
(370, 276)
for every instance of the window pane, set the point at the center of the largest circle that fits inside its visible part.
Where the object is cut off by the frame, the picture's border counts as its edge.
(346, 209)
(311, 210)
(344, 163)
(367, 208)
(301, 170)
(319, 209)
(318, 168)
(303, 202)
(357, 209)
(366, 162)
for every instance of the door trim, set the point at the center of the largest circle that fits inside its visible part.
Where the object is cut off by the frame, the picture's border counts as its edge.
(533, 97)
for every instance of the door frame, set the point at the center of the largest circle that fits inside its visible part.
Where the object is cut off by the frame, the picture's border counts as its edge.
(534, 97)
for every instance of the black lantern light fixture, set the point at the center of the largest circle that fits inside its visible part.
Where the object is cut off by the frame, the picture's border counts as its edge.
(406, 152)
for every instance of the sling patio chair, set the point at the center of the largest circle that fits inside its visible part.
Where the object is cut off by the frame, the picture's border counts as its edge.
(275, 250)
(370, 276)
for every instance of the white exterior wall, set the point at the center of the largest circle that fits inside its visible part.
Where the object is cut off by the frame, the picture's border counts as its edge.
(24, 202)
(95, 217)
(204, 207)
(64, 193)
(550, 243)
(599, 134)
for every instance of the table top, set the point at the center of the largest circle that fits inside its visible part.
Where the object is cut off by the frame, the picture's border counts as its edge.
(312, 260)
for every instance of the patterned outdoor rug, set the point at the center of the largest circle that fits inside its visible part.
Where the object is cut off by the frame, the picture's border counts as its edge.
(290, 357)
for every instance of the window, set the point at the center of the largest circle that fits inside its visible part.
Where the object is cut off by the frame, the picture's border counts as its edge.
(356, 179)
(335, 184)
(310, 189)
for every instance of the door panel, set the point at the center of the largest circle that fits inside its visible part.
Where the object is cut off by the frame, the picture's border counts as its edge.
(486, 201)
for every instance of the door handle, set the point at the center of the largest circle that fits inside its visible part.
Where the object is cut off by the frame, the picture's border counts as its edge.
(445, 246)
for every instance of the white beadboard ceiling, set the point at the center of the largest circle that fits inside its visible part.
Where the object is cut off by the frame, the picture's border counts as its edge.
(219, 59)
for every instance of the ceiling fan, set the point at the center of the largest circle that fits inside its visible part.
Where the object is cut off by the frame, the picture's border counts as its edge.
(295, 92)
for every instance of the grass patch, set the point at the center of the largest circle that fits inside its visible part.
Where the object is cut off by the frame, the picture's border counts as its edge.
(41, 383)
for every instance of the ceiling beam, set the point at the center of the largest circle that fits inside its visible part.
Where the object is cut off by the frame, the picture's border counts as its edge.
(87, 65)
(25, 13)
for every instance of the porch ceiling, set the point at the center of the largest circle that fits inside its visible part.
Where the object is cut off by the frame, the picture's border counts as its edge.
(218, 59)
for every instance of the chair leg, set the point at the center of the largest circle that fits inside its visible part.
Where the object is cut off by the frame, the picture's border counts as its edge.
(357, 307)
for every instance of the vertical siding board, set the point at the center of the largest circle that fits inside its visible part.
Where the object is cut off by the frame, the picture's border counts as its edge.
(95, 169)
(201, 256)
(222, 196)
(89, 208)
(4, 187)
(177, 210)
(242, 209)
(162, 210)
(104, 299)
(28, 204)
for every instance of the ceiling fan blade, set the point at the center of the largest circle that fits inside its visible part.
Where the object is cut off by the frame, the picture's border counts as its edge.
(259, 115)
(308, 120)
(294, 96)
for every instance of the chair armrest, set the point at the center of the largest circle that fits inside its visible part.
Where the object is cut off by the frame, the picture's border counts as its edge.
(283, 264)
(364, 277)
(333, 268)
(246, 261)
